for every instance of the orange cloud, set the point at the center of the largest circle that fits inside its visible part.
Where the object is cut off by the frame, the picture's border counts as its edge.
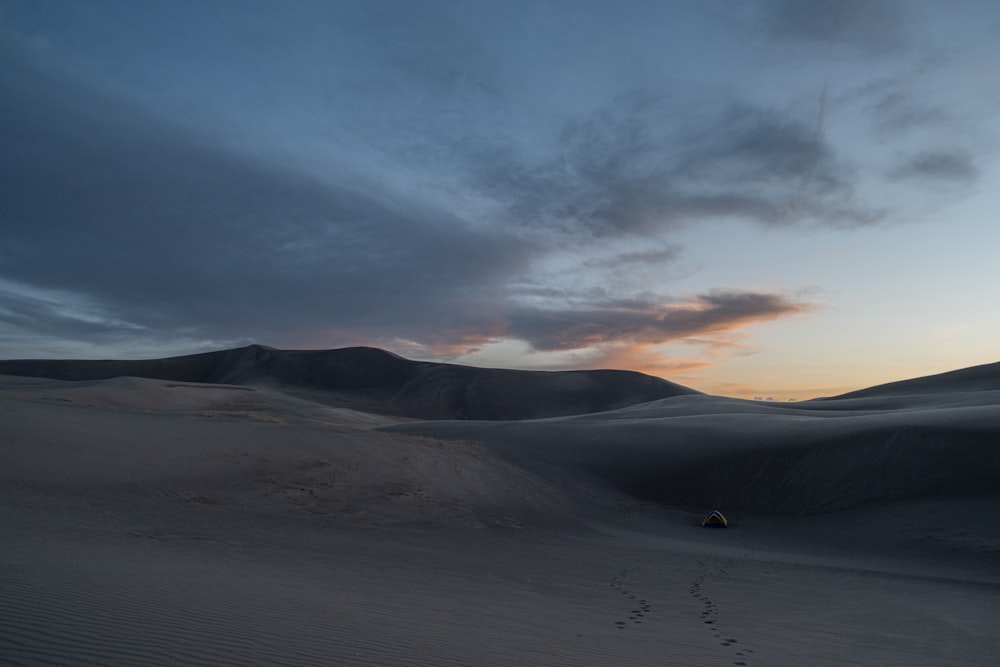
(648, 322)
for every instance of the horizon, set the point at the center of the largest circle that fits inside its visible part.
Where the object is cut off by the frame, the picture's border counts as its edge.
(786, 199)
(768, 398)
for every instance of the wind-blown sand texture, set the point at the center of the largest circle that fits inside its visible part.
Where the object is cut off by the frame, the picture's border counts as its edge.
(344, 507)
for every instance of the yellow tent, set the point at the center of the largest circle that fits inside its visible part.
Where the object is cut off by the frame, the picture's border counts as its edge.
(715, 519)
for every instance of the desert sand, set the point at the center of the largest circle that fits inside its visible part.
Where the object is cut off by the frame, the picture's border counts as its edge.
(351, 507)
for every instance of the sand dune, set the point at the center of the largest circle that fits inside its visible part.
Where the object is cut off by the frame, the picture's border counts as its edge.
(977, 378)
(380, 381)
(260, 507)
(704, 451)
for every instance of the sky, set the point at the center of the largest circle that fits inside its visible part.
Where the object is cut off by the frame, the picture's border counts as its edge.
(784, 199)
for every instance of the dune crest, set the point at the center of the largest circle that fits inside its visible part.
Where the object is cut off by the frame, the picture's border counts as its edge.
(379, 381)
(985, 377)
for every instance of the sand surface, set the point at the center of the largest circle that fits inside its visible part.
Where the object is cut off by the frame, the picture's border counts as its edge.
(165, 522)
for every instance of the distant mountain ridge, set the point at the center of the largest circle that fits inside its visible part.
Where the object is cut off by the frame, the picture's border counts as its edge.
(375, 379)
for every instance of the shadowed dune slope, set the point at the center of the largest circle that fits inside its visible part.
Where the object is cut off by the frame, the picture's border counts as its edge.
(704, 451)
(379, 381)
(974, 378)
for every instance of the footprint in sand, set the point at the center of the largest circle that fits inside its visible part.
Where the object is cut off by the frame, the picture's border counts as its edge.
(617, 583)
(710, 612)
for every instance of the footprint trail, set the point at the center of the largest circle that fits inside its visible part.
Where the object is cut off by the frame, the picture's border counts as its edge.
(710, 615)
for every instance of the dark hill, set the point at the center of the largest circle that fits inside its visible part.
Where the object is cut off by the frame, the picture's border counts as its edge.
(376, 380)
(975, 378)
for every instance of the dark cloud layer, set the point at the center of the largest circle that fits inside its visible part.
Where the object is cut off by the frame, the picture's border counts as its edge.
(154, 230)
(166, 232)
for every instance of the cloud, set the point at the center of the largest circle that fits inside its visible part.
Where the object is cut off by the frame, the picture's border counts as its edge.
(901, 112)
(659, 337)
(947, 166)
(644, 322)
(122, 226)
(630, 260)
(641, 166)
(144, 221)
(683, 358)
(649, 359)
(873, 27)
(897, 112)
(24, 310)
